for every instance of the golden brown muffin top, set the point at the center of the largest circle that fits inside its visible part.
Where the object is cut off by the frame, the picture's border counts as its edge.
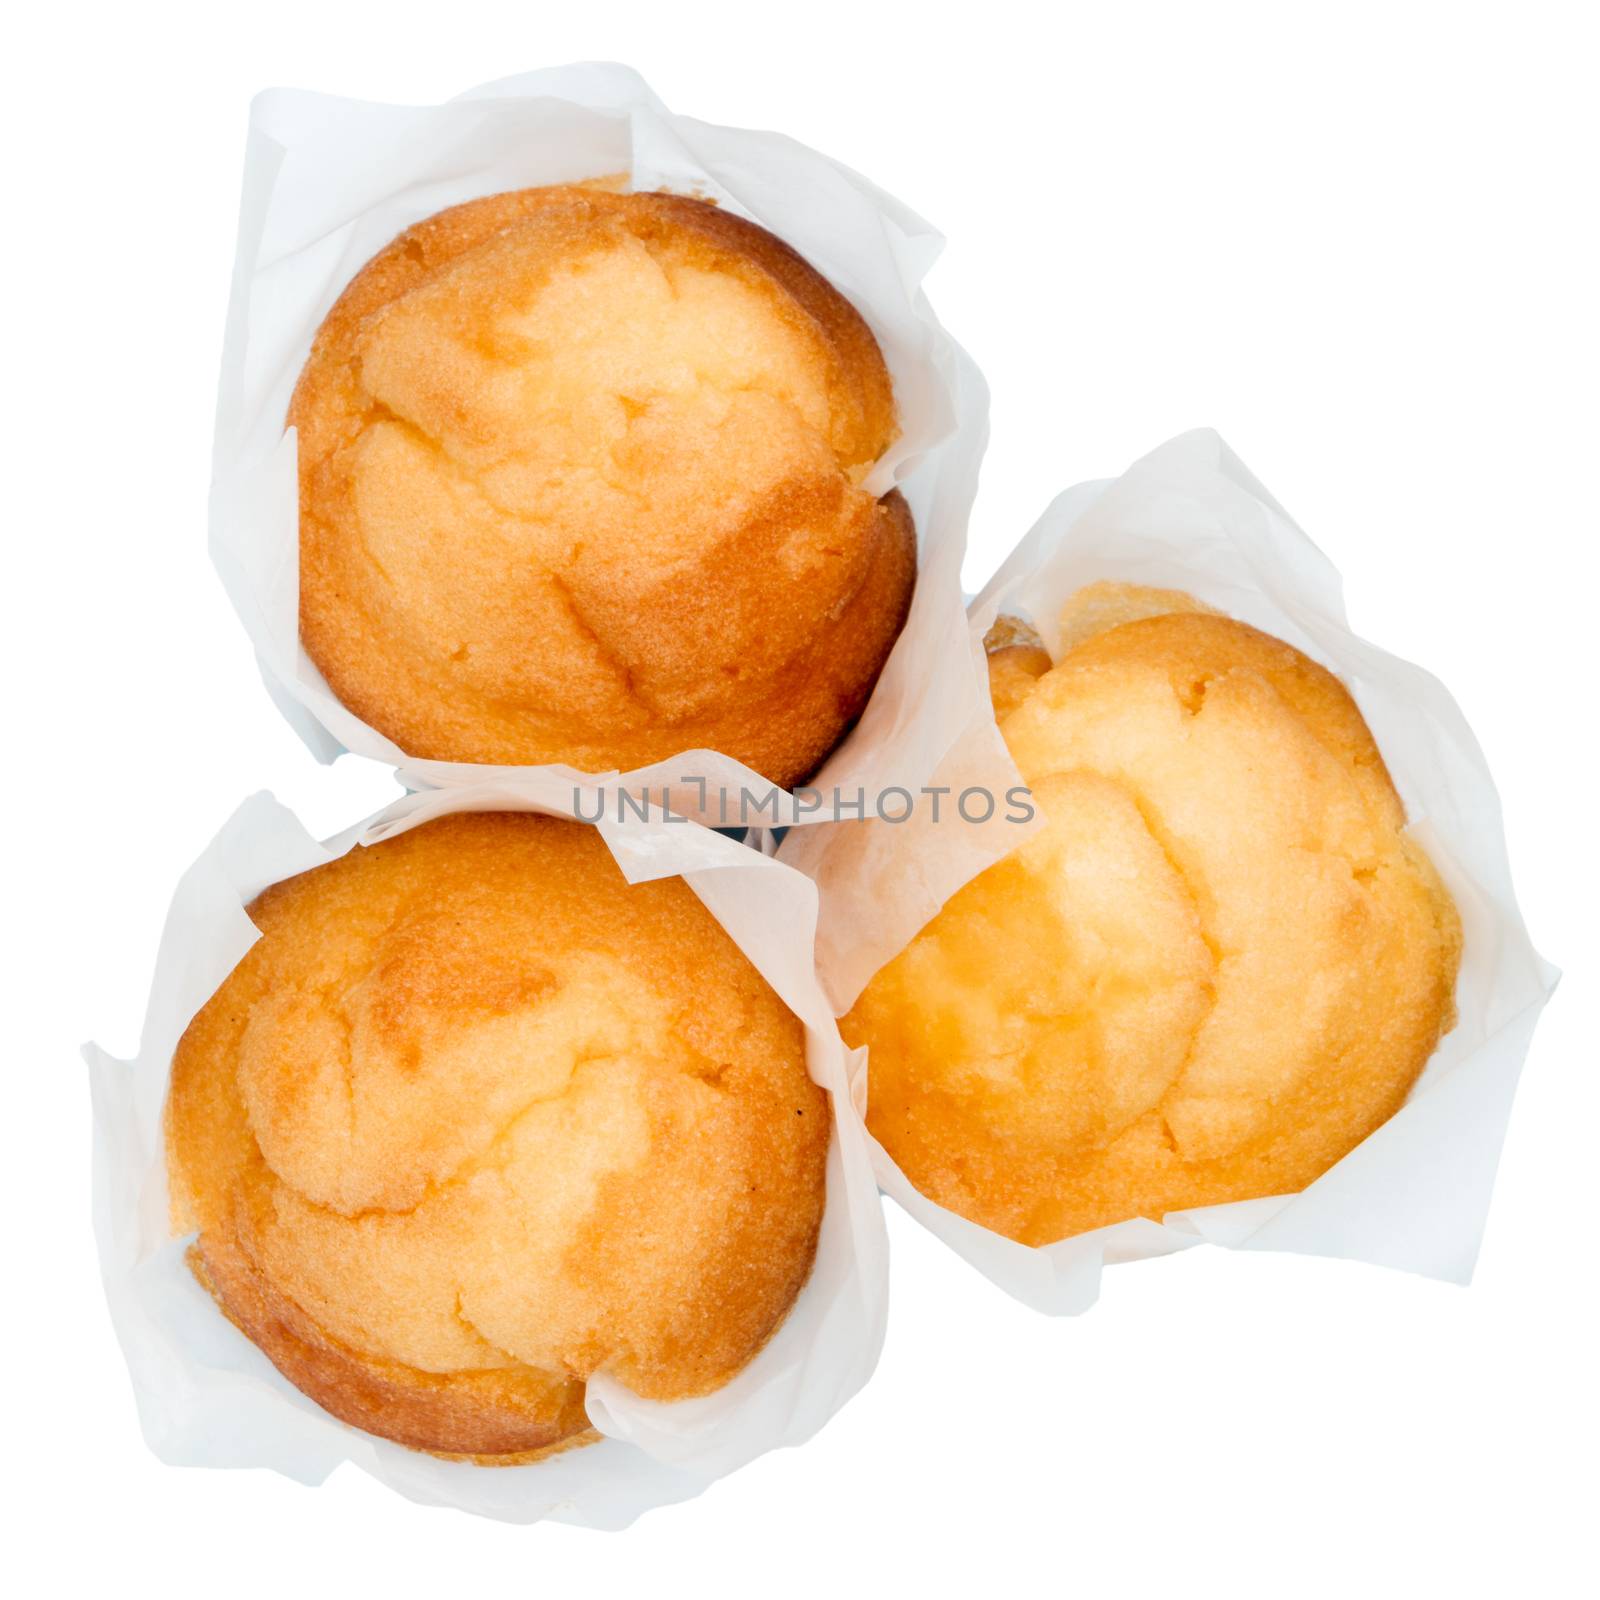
(475, 1119)
(1215, 969)
(580, 481)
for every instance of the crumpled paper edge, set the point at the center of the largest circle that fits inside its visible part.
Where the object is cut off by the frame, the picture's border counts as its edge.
(329, 181)
(208, 1397)
(1414, 1195)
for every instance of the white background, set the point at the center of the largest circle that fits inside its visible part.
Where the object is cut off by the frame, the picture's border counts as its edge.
(1359, 240)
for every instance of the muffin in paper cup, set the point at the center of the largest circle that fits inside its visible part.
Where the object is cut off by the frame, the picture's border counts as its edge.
(1189, 517)
(329, 183)
(207, 1396)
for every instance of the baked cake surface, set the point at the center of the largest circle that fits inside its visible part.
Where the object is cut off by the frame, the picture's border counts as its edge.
(475, 1119)
(1219, 965)
(580, 482)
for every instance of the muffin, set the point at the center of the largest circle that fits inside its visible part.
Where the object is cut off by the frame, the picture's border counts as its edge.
(1218, 966)
(581, 481)
(474, 1119)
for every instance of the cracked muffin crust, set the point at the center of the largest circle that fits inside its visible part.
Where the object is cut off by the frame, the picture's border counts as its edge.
(580, 481)
(475, 1119)
(1219, 965)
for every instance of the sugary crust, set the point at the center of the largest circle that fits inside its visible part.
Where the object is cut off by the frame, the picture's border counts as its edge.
(579, 481)
(1193, 647)
(481, 1417)
(475, 1120)
(1218, 967)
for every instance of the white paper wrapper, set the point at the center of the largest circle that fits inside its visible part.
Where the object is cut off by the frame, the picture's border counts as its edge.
(1190, 516)
(208, 1397)
(329, 182)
